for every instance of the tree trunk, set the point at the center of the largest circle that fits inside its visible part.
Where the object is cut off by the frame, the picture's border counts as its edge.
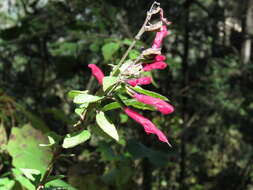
(248, 30)
(185, 79)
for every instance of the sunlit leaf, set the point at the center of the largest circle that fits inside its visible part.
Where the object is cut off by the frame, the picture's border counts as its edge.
(109, 49)
(109, 82)
(24, 148)
(72, 140)
(86, 98)
(106, 125)
(6, 183)
(22, 180)
(73, 93)
(31, 174)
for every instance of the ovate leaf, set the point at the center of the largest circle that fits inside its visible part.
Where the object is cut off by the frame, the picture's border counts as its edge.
(6, 183)
(86, 98)
(133, 54)
(79, 111)
(109, 49)
(149, 93)
(73, 93)
(106, 125)
(22, 180)
(74, 139)
(130, 102)
(32, 174)
(59, 184)
(24, 148)
(108, 82)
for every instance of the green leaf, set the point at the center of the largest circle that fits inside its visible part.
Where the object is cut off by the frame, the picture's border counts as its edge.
(51, 142)
(127, 42)
(109, 49)
(133, 54)
(24, 148)
(106, 126)
(149, 93)
(58, 184)
(73, 93)
(86, 98)
(31, 174)
(52, 178)
(22, 180)
(6, 183)
(129, 102)
(109, 82)
(79, 111)
(72, 140)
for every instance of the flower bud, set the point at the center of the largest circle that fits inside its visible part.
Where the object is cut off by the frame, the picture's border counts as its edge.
(159, 37)
(140, 81)
(96, 72)
(159, 104)
(159, 58)
(155, 65)
(148, 126)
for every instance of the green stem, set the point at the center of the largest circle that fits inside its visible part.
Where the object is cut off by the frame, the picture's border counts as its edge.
(43, 181)
(115, 72)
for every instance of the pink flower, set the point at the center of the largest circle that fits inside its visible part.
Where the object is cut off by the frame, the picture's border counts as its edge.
(96, 72)
(159, 104)
(159, 37)
(160, 58)
(140, 81)
(155, 65)
(149, 127)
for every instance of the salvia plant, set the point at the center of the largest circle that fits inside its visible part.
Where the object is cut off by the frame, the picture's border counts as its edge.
(120, 90)
(125, 80)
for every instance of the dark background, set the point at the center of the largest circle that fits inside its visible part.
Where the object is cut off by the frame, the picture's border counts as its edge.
(45, 47)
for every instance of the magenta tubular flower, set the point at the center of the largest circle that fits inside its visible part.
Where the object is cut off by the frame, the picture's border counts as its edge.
(159, 58)
(148, 126)
(155, 65)
(96, 72)
(140, 81)
(159, 104)
(159, 37)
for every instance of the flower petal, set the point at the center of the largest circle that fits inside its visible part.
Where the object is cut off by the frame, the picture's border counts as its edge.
(159, 104)
(159, 58)
(140, 81)
(155, 65)
(159, 37)
(96, 72)
(148, 126)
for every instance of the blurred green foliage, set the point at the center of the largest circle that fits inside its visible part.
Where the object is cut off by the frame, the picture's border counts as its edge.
(45, 47)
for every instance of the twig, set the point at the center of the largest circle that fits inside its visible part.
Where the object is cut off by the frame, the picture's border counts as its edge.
(43, 181)
(151, 12)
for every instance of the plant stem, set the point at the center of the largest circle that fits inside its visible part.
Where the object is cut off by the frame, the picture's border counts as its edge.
(43, 181)
(151, 11)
